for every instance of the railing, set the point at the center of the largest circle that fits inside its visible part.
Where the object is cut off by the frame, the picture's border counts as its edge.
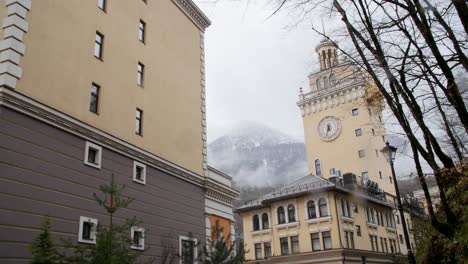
(332, 90)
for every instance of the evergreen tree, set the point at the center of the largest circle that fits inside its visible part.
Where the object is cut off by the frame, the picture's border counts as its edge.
(43, 249)
(220, 249)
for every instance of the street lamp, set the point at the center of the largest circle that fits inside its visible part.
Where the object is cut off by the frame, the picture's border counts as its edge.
(389, 153)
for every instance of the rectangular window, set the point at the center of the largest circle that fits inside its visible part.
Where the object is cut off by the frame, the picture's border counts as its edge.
(386, 245)
(295, 244)
(93, 155)
(284, 246)
(98, 45)
(267, 249)
(349, 238)
(138, 238)
(361, 153)
(380, 174)
(345, 208)
(188, 250)
(94, 101)
(355, 112)
(315, 238)
(142, 31)
(397, 219)
(391, 180)
(258, 251)
(87, 230)
(140, 74)
(383, 139)
(401, 239)
(372, 242)
(373, 131)
(358, 132)
(102, 5)
(376, 153)
(365, 175)
(358, 230)
(381, 244)
(327, 243)
(139, 172)
(139, 121)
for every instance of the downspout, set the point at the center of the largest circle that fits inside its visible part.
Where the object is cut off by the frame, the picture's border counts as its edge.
(338, 222)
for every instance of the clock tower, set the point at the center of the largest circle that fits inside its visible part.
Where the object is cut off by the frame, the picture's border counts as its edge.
(343, 126)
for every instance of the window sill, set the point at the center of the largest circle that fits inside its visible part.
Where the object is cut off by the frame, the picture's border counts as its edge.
(138, 247)
(391, 229)
(142, 182)
(372, 225)
(94, 165)
(259, 232)
(318, 220)
(346, 219)
(85, 241)
(287, 225)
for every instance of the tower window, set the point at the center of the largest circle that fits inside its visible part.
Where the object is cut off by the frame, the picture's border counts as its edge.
(140, 73)
(325, 82)
(318, 167)
(355, 112)
(317, 83)
(361, 153)
(102, 5)
(94, 100)
(98, 45)
(358, 132)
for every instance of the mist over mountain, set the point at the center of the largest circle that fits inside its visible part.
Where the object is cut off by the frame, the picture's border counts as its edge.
(257, 155)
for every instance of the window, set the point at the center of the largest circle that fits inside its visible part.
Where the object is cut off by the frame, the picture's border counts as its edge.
(102, 5)
(325, 82)
(311, 212)
(391, 180)
(373, 131)
(377, 153)
(380, 118)
(365, 175)
(267, 249)
(145, 1)
(382, 244)
(87, 230)
(355, 208)
(139, 119)
(139, 172)
(140, 74)
(326, 236)
(383, 139)
(349, 238)
(281, 215)
(295, 244)
(358, 230)
(142, 31)
(401, 238)
(94, 101)
(93, 155)
(138, 238)
(355, 112)
(397, 219)
(291, 213)
(380, 174)
(256, 223)
(370, 111)
(392, 248)
(358, 132)
(332, 79)
(317, 83)
(318, 168)
(258, 251)
(345, 208)
(323, 210)
(284, 246)
(315, 241)
(265, 223)
(188, 250)
(374, 243)
(361, 153)
(386, 245)
(98, 44)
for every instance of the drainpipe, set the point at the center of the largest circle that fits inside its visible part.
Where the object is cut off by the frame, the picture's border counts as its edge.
(338, 222)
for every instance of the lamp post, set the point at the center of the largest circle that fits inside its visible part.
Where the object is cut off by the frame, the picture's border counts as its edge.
(389, 152)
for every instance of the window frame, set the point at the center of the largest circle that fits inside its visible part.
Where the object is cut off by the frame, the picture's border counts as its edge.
(265, 247)
(142, 31)
(355, 111)
(358, 132)
(140, 74)
(136, 165)
(358, 230)
(98, 149)
(195, 251)
(99, 45)
(141, 244)
(291, 213)
(96, 96)
(104, 5)
(321, 206)
(309, 205)
(315, 239)
(286, 251)
(255, 223)
(318, 164)
(328, 237)
(258, 251)
(267, 221)
(283, 214)
(295, 242)
(361, 153)
(93, 231)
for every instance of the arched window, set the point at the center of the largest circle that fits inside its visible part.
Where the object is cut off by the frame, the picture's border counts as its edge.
(265, 224)
(323, 207)
(291, 213)
(256, 223)
(329, 57)
(317, 83)
(324, 58)
(325, 82)
(311, 213)
(281, 215)
(332, 79)
(318, 167)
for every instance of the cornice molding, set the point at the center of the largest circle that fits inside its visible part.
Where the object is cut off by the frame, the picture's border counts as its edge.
(194, 13)
(32, 108)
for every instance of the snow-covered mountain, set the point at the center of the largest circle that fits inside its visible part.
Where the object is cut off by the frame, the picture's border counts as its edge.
(254, 154)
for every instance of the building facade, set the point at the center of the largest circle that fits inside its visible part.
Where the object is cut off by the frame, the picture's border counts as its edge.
(344, 135)
(94, 89)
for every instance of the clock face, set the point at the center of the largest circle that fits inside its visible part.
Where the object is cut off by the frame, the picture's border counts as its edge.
(329, 128)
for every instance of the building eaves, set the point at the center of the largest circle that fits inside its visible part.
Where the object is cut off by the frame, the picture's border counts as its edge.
(194, 13)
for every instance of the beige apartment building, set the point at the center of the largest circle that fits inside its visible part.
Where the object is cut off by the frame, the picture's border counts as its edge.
(344, 211)
(95, 88)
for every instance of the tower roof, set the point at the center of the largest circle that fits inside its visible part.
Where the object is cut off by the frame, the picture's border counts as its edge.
(325, 43)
